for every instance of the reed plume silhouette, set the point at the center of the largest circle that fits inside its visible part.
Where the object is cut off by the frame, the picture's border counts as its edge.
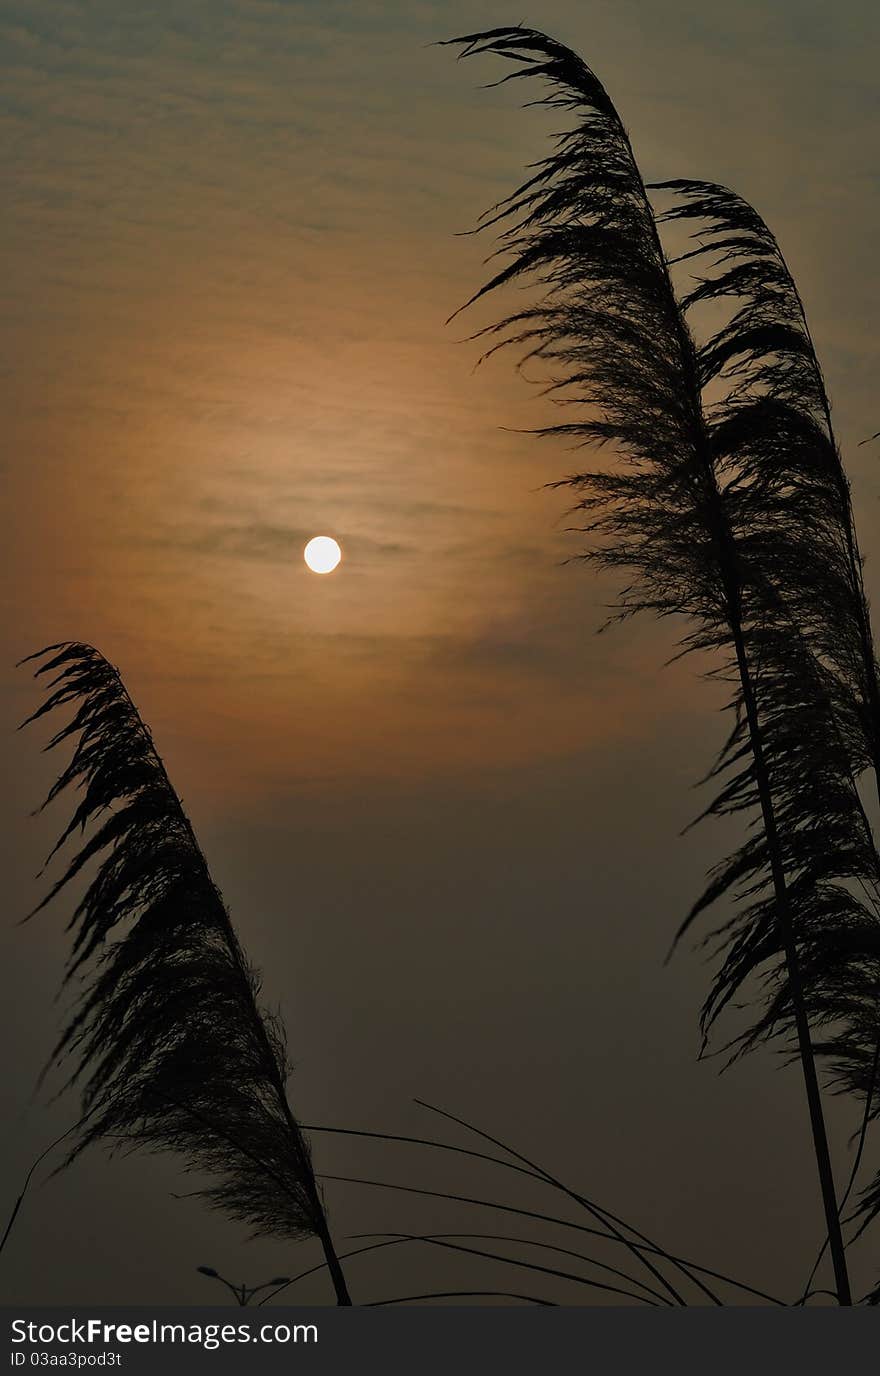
(706, 527)
(167, 1040)
(777, 428)
(775, 424)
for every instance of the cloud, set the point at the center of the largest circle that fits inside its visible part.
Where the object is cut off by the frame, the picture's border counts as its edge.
(265, 542)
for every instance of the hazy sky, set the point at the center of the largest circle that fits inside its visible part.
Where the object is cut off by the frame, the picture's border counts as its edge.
(444, 813)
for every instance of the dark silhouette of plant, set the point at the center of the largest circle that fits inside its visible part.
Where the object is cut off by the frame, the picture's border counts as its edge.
(774, 424)
(701, 535)
(611, 1227)
(38, 1160)
(777, 428)
(168, 1040)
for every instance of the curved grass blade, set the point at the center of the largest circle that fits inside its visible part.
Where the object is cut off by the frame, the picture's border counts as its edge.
(546, 1218)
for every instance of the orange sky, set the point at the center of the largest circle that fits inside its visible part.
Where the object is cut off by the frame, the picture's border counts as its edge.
(228, 280)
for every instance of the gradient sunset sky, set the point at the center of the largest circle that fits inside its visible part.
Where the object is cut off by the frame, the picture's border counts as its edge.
(444, 813)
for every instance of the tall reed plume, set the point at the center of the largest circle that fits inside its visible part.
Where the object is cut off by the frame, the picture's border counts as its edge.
(776, 425)
(699, 536)
(167, 1041)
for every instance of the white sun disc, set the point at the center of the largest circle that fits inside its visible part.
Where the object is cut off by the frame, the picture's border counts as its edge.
(322, 554)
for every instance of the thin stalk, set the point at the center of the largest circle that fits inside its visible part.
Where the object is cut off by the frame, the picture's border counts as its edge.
(426, 1142)
(321, 1266)
(550, 1218)
(27, 1180)
(525, 1242)
(459, 1294)
(336, 1273)
(600, 1214)
(434, 1240)
(863, 1133)
(396, 1240)
(532, 1174)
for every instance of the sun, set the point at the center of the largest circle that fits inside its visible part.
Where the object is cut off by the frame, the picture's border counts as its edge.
(322, 554)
